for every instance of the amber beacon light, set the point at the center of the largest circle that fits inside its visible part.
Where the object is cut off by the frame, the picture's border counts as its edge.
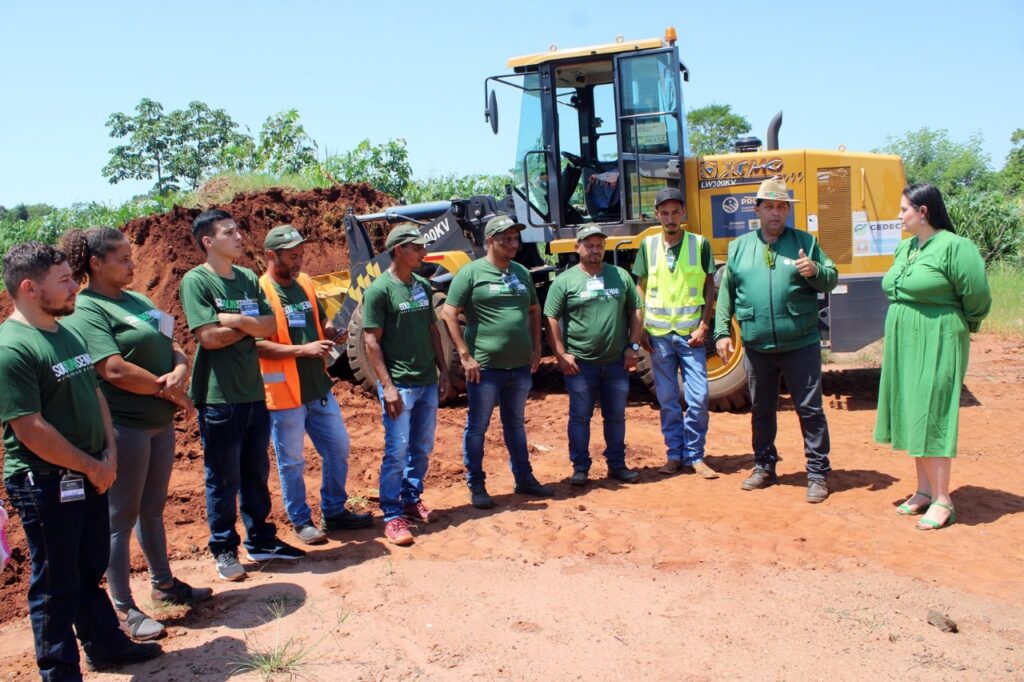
(670, 35)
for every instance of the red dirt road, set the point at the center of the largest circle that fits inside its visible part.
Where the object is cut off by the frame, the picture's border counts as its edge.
(671, 578)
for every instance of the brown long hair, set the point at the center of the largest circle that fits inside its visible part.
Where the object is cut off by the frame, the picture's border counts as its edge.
(81, 245)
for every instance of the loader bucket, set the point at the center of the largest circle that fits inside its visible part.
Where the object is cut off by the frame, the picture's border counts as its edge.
(331, 290)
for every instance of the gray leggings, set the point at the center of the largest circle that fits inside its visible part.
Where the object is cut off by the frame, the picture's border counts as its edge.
(144, 460)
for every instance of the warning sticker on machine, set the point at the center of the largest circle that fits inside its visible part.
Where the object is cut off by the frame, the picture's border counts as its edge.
(876, 237)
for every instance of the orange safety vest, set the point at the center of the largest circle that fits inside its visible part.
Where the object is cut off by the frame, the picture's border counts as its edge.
(281, 377)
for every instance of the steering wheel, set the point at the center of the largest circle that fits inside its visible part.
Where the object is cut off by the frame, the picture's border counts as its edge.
(573, 159)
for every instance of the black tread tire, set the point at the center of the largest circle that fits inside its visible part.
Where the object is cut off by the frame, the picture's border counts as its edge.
(456, 376)
(726, 393)
(355, 349)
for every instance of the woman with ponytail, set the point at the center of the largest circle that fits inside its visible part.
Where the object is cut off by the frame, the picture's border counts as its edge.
(142, 375)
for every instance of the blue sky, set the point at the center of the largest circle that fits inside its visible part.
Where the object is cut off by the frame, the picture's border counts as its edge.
(843, 73)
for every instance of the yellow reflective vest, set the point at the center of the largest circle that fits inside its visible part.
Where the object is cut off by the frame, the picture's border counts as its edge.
(673, 297)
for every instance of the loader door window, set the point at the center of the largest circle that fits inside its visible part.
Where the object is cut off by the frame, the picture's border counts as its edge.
(651, 131)
(531, 179)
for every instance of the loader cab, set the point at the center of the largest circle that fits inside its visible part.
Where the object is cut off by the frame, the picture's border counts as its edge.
(601, 129)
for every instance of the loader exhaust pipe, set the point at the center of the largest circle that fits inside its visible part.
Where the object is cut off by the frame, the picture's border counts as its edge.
(773, 132)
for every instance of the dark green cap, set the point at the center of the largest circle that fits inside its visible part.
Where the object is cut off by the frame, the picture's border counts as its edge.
(405, 233)
(500, 223)
(282, 237)
(588, 230)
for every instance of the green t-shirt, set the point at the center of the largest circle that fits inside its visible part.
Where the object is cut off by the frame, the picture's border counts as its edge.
(230, 374)
(496, 305)
(129, 327)
(593, 312)
(314, 382)
(707, 259)
(49, 373)
(405, 314)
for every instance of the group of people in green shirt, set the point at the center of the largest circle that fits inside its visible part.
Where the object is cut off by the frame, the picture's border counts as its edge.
(92, 380)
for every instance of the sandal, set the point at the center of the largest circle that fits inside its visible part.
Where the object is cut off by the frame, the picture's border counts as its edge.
(139, 626)
(928, 524)
(906, 510)
(180, 593)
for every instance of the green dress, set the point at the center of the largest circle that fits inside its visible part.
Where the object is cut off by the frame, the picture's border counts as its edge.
(938, 295)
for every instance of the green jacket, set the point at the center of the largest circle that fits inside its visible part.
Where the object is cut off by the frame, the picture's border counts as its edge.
(776, 307)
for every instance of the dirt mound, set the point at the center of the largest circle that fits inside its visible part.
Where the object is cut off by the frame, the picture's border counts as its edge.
(164, 250)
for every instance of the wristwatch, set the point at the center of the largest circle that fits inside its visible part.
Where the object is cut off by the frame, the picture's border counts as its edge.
(635, 347)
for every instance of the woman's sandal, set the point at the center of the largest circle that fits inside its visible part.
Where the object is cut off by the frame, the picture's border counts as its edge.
(928, 524)
(906, 510)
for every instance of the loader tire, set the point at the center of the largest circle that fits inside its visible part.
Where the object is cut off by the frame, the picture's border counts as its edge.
(355, 348)
(456, 376)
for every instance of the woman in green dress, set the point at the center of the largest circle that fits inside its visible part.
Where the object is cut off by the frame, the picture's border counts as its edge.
(938, 295)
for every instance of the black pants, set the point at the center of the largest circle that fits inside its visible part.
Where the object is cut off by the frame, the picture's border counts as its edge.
(801, 368)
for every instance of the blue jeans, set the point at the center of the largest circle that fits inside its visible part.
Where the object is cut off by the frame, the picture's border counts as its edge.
(321, 419)
(684, 434)
(609, 384)
(69, 544)
(507, 389)
(235, 439)
(408, 441)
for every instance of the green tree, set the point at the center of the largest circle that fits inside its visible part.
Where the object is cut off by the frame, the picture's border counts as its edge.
(145, 156)
(384, 166)
(714, 128)
(284, 146)
(180, 146)
(930, 156)
(1013, 171)
(200, 136)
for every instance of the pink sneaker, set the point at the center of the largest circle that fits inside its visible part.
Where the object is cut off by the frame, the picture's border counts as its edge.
(397, 532)
(417, 511)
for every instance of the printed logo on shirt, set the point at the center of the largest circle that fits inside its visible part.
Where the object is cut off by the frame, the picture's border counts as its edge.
(303, 307)
(65, 369)
(233, 305)
(600, 295)
(150, 316)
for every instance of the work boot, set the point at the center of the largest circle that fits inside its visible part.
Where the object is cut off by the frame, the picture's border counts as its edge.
(760, 478)
(532, 487)
(701, 468)
(624, 474)
(817, 490)
(673, 466)
(579, 478)
(479, 498)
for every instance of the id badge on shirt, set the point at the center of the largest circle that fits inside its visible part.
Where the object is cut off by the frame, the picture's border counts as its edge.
(72, 488)
(595, 283)
(166, 323)
(249, 307)
(418, 294)
(296, 319)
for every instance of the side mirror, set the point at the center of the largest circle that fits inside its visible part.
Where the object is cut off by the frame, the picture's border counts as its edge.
(491, 113)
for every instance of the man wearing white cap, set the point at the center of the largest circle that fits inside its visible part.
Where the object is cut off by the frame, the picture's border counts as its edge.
(771, 282)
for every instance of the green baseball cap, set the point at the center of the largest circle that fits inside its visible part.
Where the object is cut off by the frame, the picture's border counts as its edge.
(405, 233)
(282, 237)
(588, 230)
(500, 223)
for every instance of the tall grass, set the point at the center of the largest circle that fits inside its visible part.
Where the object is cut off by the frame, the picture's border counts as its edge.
(1007, 284)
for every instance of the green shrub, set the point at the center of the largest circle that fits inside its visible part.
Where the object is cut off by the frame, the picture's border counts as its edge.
(993, 221)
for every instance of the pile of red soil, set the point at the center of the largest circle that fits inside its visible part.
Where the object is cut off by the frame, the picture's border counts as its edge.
(164, 250)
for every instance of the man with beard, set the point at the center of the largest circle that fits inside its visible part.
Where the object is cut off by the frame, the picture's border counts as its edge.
(594, 324)
(771, 282)
(60, 460)
(675, 269)
(226, 311)
(298, 390)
